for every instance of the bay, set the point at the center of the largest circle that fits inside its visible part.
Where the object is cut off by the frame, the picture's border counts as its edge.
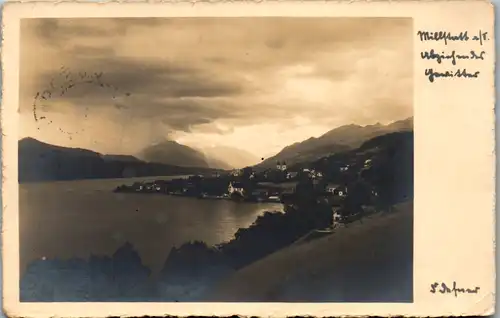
(78, 218)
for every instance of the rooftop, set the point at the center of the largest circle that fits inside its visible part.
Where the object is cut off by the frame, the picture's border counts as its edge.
(333, 185)
(283, 185)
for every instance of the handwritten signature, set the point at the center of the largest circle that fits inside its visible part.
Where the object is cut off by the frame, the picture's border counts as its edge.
(444, 289)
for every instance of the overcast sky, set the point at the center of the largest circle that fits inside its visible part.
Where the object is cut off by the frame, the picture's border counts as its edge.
(257, 84)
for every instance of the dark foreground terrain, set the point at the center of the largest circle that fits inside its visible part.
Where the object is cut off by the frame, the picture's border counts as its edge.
(366, 262)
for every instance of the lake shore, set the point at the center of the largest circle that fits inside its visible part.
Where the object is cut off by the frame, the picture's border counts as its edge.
(86, 217)
(369, 261)
(212, 188)
(259, 257)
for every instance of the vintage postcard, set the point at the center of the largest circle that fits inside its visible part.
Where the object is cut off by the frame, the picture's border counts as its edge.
(251, 159)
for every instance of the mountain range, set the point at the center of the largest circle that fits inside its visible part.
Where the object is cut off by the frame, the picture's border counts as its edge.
(217, 157)
(171, 152)
(41, 161)
(337, 140)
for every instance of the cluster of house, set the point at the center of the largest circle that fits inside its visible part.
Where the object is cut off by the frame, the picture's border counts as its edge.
(340, 219)
(272, 185)
(311, 173)
(269, 185)
(281, 166)
(273, 192)
(281, 171)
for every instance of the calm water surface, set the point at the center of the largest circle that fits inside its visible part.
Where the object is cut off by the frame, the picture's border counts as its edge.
(79, 218)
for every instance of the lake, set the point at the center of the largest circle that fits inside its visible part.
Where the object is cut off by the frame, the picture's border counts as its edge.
(78, 218)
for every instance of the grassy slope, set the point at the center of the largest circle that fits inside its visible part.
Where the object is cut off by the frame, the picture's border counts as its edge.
(367, 262)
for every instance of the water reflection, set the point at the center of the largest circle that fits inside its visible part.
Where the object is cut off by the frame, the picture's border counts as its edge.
(77, 218)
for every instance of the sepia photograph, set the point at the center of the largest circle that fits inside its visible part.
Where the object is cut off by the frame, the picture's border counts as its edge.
(205, 159)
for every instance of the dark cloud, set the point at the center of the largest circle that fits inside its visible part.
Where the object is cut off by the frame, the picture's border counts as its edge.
(87, 51)
(56, 31)
(180, 96)
(217, 60)
(275, 43)
(200, 74)
(156, 80)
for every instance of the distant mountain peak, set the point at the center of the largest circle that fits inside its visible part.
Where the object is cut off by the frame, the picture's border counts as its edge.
(172, 153)
(31, 140)
(164, 142)
(336, 140)
(28, 139)
(39, 161)
(33, 143)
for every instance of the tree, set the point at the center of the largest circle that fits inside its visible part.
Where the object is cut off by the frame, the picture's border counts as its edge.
(359, 192)
(391, 174)
(247, 172)
(305, 191)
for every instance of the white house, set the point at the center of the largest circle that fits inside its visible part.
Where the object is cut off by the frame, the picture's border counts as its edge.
(338, 220)
(315, 174)
(344, 168)
(281, 166)
(368, 163)
(235, 187)
(236, 172)
(336, 189)
(291, 175)
(331, 187)
(341, 192)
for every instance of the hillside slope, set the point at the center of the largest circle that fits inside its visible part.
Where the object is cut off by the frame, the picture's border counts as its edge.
(355, 135)
(335, 141)
(39, 161)
(366, 262)
(173, 153)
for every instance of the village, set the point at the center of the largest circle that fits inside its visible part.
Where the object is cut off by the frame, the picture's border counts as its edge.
(280, 184)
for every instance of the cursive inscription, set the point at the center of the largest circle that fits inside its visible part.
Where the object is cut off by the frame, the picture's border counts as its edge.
(442, 36)
(446, 37)
(453, 57)
(461, 73)
(442, 288)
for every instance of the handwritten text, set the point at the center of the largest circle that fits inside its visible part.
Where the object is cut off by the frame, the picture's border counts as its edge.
(444, 289)
(449, 37)
(453, 57)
